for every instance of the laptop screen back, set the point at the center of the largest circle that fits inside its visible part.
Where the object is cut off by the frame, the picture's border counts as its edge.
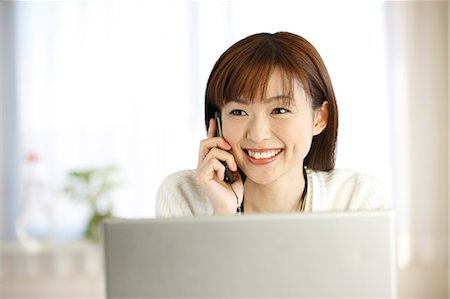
(348, 254)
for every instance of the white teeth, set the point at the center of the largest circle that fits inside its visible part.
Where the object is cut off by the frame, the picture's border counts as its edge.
(263, 155)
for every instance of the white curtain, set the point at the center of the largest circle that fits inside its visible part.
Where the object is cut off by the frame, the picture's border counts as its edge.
(417, 47)
(122, 83)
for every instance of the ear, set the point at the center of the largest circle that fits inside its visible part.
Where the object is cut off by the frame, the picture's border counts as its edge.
(320, 118)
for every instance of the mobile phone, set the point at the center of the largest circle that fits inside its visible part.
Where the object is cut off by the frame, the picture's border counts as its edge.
(229, 177)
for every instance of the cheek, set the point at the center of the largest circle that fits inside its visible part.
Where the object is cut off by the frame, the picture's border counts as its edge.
(231, 133)
(299, 136)
(234, 135)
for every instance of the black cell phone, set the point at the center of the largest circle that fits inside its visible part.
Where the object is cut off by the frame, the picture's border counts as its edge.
(229, 177)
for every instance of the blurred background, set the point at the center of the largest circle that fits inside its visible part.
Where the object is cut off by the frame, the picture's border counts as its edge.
(101, 100)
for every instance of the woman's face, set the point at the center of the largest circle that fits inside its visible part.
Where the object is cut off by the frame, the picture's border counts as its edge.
(270, 138)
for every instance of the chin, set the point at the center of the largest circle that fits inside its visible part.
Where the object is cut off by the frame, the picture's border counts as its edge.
(262, 179)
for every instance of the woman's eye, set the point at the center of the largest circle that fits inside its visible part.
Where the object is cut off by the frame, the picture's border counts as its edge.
(237, 112)
(280, 111)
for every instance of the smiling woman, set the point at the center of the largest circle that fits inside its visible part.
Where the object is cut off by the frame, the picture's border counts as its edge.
(245, 70)
(279, 120)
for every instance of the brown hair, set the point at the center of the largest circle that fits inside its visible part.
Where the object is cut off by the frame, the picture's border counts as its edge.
(245, 68)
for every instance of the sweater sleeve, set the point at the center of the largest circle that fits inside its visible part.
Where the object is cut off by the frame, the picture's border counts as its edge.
(169, 202)
(179, 195)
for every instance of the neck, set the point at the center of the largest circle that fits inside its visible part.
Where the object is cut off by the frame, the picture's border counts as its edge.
(282, 195)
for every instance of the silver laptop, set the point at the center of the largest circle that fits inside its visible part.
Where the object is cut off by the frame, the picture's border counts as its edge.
(326, 255)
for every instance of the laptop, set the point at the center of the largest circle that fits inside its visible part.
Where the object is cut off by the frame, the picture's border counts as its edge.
(301, 255)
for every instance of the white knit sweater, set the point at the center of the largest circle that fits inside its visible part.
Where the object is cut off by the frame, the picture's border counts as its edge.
(336, 190)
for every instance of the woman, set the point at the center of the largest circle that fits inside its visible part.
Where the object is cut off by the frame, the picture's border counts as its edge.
(273, 98)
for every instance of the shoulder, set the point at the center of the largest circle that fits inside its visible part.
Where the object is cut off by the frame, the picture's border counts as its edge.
(180, 195)
(338, 177)
(180, 178)
(342, 189)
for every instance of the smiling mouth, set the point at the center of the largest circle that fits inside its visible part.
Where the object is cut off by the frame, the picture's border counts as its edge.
(260, 155)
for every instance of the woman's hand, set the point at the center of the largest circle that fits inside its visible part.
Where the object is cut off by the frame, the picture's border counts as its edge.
(211, 172)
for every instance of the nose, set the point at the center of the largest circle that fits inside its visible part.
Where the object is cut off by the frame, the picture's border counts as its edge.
(258, 129)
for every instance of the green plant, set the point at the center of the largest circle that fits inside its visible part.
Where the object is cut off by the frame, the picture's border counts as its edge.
(94, 186)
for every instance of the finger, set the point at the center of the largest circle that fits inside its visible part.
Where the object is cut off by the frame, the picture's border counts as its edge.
(210, 143)
(212, 128)
(213, 163)
(211, 171)
(219, 170)
(218, 154)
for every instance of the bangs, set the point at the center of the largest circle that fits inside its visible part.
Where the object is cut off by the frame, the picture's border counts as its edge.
(246, 75)
(251, 84)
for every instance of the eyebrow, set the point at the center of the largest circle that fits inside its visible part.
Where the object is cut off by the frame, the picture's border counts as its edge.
(271, 99)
